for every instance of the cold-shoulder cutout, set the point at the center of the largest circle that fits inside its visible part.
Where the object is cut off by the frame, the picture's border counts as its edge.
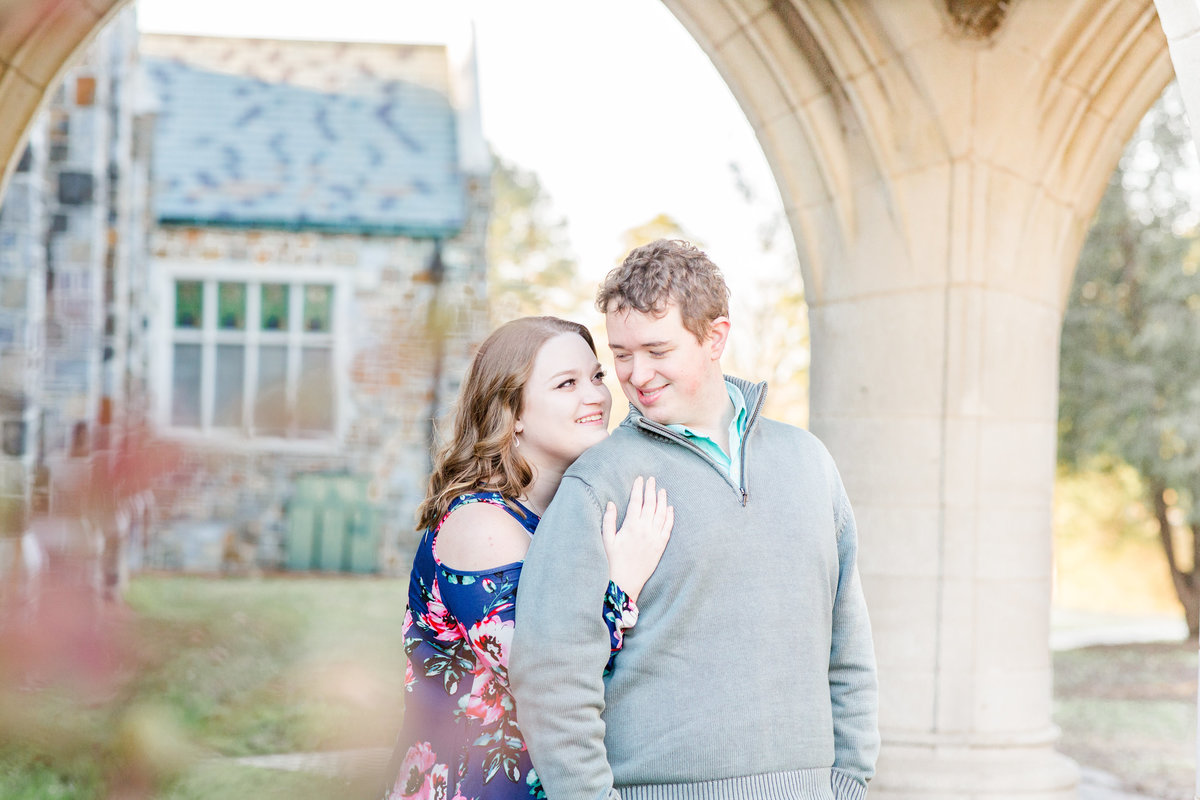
(480, 536)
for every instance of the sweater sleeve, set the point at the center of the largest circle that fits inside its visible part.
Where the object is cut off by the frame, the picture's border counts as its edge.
(853, 687)
(560, 647)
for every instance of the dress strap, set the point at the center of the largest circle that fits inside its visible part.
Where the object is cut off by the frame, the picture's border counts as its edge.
(528, 521)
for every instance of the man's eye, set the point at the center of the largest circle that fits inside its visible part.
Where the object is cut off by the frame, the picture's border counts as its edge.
(622, 357)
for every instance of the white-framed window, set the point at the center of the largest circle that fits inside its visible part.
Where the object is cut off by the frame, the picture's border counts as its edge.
(251, 354)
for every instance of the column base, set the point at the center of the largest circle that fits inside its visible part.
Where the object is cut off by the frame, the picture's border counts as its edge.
(964, 772)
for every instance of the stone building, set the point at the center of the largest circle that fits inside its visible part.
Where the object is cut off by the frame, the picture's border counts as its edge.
(318, 275)
(272, 255)
(72, 260)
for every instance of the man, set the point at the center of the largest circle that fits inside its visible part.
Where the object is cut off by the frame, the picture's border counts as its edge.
(750, 672)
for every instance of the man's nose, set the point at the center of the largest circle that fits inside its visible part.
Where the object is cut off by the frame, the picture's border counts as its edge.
(642, 371)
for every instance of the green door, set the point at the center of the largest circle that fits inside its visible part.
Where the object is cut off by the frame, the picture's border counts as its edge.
(332, 526)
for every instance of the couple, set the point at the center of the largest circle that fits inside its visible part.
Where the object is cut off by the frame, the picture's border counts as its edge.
(714, 646)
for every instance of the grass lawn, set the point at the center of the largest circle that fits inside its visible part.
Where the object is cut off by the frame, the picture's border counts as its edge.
(212, 668)
(281, 665)
(1131, 710)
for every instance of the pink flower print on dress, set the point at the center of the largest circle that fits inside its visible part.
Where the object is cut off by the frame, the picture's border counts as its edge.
(490, 639)
(438, 782)
(488, 700)
(444, 625)
(409, 677)
(413, 782)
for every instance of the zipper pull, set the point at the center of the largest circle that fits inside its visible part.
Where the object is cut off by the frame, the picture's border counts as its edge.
(744, 498)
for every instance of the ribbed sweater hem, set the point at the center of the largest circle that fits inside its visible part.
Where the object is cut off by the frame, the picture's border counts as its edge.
(800, 784)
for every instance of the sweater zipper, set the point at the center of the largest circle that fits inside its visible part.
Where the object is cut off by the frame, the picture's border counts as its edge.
(661, 430)
(750, 420)
(665, 432)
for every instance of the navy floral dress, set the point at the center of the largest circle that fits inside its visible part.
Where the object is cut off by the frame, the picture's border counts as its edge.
(460, 739)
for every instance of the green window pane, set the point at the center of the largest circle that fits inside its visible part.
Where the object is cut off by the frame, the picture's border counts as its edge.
(318, 308)
(189, 304)
(231, 306)
(274, 307)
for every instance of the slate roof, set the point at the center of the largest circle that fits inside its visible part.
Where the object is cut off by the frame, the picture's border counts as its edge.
(304, 135)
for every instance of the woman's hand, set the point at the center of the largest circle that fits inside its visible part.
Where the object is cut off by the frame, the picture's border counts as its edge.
(634, 551)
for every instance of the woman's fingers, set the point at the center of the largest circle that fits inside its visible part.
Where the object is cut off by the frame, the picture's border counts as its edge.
(636, 498)
(648, 510)
(660, 509)
(609, 526)
(647, 507)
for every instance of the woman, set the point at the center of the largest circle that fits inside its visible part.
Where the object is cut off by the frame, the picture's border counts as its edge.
(534, 399)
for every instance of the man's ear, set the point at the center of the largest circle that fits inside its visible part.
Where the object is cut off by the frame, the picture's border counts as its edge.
(718, 337)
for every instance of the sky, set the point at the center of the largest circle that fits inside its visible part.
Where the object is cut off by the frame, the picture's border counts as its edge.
(619, 112)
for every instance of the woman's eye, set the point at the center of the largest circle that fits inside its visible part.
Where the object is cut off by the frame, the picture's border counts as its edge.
(566, 383)
(599, 376)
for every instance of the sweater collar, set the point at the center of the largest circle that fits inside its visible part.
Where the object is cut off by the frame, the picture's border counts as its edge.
(755, 394)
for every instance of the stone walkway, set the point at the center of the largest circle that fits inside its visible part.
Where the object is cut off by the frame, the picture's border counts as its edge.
(333, 763)
(1094, 784)
(1097, 785)
(1071, 629)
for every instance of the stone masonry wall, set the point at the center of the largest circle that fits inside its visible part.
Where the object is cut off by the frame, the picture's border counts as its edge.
(397, 312)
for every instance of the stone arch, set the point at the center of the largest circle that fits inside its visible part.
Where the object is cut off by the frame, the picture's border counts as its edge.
(39, 39)
(939, 162)
(849, 95)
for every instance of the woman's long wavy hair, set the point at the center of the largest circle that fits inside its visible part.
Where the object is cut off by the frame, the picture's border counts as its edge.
(482, 453)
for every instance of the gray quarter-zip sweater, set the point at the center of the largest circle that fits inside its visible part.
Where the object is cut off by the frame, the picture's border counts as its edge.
(750, 672)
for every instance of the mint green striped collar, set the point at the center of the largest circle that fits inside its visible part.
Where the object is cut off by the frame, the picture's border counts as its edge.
(737, 430)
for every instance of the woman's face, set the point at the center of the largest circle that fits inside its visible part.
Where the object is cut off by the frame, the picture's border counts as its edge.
(566, 404)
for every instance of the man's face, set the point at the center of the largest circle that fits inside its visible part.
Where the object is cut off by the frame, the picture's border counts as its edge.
(663, 370)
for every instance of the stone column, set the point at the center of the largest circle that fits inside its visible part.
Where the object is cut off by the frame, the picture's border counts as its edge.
(934, 383)
(940, 163)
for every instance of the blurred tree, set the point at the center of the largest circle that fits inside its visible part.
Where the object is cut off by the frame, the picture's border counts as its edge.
(662, 226)
(1129, 375)
(771, 342)
(531, 269)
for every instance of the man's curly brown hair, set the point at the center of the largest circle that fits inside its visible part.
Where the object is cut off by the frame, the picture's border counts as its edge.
(668, 271)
